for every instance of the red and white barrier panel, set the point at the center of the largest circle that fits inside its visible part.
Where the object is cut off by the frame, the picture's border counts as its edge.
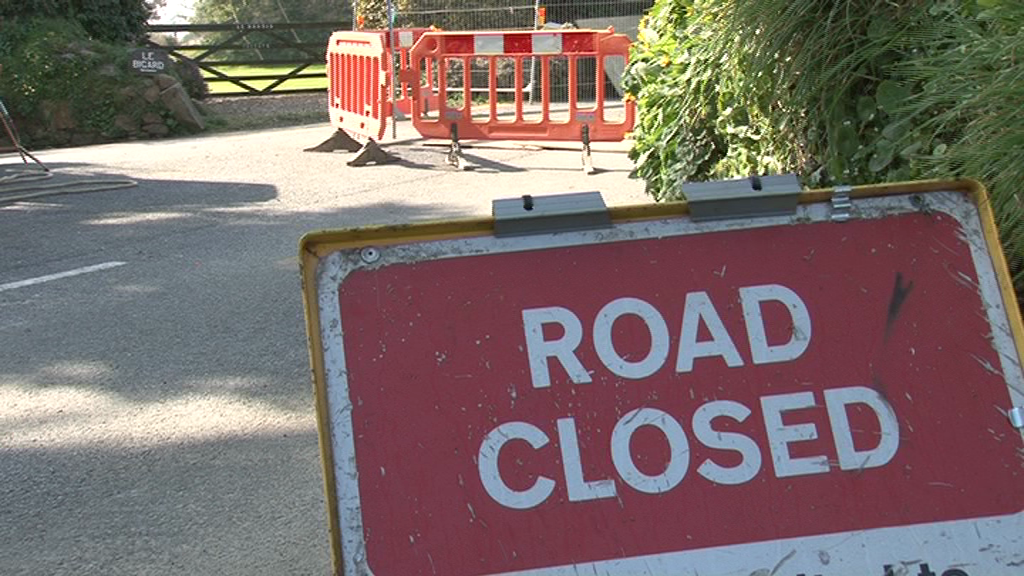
(357, 69)
(403, 43)
(453, 114)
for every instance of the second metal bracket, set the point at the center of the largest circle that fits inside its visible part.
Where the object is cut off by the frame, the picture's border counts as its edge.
(744, 198)
(550, 213)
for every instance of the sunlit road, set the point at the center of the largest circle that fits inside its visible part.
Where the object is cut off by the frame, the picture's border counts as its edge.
(156, 413)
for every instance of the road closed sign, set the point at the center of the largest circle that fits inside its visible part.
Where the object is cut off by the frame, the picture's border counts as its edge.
(802, 394)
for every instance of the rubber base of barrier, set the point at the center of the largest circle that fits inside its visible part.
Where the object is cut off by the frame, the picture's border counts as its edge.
(340, 140)
(366, 154)
(371, 153)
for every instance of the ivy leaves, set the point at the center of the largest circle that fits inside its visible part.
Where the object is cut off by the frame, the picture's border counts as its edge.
(783, 85)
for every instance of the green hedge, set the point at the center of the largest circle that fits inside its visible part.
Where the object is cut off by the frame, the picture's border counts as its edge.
(49, 60)
(837, 91)
(56, 74)
(105, 20)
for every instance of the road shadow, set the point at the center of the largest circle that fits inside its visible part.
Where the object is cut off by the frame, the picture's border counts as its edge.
(160, 413)
(196, 310)
(231, 505)
(141, 430)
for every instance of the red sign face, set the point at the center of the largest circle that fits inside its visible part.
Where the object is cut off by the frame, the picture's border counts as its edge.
(666, 398)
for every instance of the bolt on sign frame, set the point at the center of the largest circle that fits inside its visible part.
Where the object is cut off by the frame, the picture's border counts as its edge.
(788, 394)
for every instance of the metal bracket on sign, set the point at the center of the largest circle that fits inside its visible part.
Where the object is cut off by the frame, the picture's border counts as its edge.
(1016, 415)
(841, 203)
(551, 213)
(744, 198)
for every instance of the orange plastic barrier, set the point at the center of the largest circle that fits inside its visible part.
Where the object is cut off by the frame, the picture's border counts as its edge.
(359, 69)
(404, 41)
(445, 118)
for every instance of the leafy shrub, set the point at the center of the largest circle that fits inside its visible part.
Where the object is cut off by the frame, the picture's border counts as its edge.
(837, 91)
(58, 80)
(105, 20)
(775, 85)
(46, 59)
(972, 91)
(672, 144)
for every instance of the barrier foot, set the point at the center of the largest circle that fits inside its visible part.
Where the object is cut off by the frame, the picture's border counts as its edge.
(339, 141)
(455, 157)
(371, 153)
(588, 160)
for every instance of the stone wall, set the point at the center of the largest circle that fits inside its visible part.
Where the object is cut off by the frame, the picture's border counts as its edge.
(166, 91)
(147, 106)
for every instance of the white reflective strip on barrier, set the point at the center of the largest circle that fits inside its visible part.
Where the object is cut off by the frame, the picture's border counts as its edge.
(547, 43)
(489, 43)
(405, 39)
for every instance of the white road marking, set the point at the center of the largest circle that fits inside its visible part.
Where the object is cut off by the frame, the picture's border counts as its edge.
(60, 275)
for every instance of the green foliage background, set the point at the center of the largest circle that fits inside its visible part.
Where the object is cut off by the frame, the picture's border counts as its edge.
(54, 51)
(53, 66)
(837, 91)
(490, 14)
(104, 20)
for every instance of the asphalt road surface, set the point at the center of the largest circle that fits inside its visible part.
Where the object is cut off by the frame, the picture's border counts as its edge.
(156, 412)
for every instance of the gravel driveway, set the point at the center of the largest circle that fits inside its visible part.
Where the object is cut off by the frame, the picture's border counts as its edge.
(269, 111)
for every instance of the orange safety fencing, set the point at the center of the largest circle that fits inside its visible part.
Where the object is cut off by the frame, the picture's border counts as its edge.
(509, 112)
(359, 71)
(404, 41)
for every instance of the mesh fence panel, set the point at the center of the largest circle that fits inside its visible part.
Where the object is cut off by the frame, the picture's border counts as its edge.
(579, 13)
(460, 15)
(497, 14)
(450, 14)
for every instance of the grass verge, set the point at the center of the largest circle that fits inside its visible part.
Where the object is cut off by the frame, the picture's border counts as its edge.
(221, 87)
